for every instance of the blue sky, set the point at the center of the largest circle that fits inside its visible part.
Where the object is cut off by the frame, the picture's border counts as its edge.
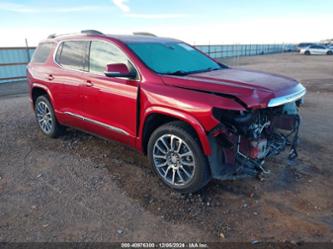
(195, 21)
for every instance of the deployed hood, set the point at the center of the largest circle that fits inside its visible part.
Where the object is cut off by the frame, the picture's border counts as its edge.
(254, 89)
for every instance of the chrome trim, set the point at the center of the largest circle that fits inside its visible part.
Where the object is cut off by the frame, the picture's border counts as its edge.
(299, 93)
(110, 127)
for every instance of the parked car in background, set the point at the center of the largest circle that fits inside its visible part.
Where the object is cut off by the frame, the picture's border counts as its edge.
(195, 118)
(317, 50)
(304, 45)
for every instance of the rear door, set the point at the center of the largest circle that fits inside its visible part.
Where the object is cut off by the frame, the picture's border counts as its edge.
(315, 49)
(71, 60)
(321, 50)
(110, 104)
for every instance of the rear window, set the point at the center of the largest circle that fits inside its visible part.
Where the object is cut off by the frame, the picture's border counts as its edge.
(73, 54)
(42, 52)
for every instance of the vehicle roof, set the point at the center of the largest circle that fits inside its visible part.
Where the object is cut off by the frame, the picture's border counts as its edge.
(141, 38)
(122, 38)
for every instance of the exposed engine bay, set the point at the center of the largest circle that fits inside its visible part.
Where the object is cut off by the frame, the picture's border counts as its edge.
(245, 139)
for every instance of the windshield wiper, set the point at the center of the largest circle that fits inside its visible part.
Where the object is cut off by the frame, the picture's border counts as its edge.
(206, 70)
(178, 73)
(183, 73)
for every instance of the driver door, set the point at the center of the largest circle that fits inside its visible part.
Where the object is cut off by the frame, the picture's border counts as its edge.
(109, 103)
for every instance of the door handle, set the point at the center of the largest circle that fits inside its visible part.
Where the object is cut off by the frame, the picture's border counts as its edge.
(89, 83)
(50, 77)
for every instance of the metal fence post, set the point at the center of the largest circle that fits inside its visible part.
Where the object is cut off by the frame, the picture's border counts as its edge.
(27, 48)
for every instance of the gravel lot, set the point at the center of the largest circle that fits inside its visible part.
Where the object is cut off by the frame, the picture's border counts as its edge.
(82, 188)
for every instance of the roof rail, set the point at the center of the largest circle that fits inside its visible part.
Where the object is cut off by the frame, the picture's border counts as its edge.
(52, 36)
(87, 32)
(91, 32)
(55, 35)
(144, 33)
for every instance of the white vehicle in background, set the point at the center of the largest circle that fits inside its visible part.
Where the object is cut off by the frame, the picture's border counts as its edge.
(304, 45)
(317, 49)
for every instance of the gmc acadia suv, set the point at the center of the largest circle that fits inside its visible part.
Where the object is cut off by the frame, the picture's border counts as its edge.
(194, 117)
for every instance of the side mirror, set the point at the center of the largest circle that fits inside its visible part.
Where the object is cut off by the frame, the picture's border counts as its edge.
(119, 70)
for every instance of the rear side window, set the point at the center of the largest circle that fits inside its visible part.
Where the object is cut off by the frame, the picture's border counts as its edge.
(318, 47)
(42, 52)
(73, 54)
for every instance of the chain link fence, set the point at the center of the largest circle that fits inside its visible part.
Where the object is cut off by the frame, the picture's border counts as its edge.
(13, 60)
(237, 50)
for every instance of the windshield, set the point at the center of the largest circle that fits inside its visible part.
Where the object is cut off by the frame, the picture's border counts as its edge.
(173, 58)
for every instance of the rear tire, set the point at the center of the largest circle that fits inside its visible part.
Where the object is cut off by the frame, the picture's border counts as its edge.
(46, 119)
(329, 52)
(307, 53)
(176, 156)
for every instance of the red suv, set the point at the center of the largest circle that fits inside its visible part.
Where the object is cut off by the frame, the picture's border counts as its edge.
(194, 117)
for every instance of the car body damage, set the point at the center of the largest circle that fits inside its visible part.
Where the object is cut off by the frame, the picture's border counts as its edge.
(266, 125)
(244, 140)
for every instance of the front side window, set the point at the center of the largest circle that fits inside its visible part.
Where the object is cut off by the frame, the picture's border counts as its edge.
(104, 53)
(42, 52)
(72, 54)
(173, 58)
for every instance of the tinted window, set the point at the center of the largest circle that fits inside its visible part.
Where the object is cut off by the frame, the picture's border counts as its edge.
(174, 57)
(72, 54)
(103, 53)
(318, 47)
(304, 44)
(42, 53)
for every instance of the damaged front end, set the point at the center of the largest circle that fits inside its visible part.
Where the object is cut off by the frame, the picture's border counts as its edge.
(244, 139)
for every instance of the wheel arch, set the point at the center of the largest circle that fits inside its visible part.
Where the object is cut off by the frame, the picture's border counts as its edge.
(156, 116)
(38, 90)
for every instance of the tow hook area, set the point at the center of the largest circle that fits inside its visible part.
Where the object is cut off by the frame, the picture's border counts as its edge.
(293, 146)
(260, 152)
(227, 162)
(236, 156)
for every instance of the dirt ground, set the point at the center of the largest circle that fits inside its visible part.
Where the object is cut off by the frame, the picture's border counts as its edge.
(82, 188)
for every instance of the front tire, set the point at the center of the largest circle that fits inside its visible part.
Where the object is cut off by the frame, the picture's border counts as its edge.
(307, 53)
(329, 52)
(46, 119)
(176, 156)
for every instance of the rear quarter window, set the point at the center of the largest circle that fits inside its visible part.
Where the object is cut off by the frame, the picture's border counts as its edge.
(42, 52)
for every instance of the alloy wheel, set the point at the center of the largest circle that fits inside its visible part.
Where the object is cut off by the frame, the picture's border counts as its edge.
(173, 160)
(44, 117)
